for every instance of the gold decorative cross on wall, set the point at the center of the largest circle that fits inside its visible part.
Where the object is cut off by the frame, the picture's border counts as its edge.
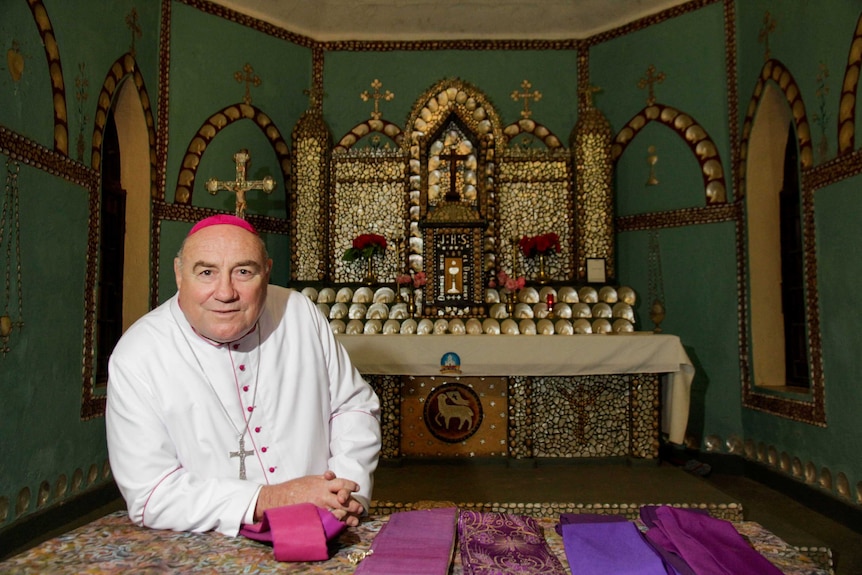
(248, 76)
(588, 95)
(649, 81)
(132, 25)
(241, 185)
(376, 96)
(526, 95)
(765, 30)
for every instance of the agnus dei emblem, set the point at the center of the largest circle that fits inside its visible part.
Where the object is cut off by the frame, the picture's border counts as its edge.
(453, 412)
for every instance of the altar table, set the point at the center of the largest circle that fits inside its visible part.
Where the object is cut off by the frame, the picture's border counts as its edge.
(537, 356)
(112, 545)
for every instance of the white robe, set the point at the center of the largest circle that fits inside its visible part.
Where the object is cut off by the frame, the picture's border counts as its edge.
(169, 436)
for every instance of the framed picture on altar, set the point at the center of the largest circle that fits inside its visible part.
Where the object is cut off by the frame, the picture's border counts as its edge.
(596, 271)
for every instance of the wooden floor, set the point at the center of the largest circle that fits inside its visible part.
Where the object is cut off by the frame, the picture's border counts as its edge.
(634, 481)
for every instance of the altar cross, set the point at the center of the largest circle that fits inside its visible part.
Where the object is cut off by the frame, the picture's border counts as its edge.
(248, 76)
(452, 157)
(241, 185)
(526, 95)
(649, 81)
(376, 96)
(242, 454)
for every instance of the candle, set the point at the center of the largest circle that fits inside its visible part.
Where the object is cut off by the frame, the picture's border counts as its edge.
(550, 300)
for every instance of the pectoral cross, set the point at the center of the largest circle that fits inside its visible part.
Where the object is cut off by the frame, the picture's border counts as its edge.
(241, 185)
(242, 454)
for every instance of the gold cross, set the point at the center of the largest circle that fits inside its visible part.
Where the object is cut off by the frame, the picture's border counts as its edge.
(526, 95)
(651, 79)
(249, 77)
(588, 94)
(765, 30)
(132, 24)
(377, 96)
(315, 95)
(241, 185)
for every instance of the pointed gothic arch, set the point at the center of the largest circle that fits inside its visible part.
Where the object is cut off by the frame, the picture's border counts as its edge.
(849, 88)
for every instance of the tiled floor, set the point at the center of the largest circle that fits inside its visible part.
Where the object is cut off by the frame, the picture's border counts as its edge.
(617, 482)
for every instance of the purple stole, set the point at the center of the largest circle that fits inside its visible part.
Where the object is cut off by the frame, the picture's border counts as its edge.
(599, 544)
(297, 532)
(708, 545)
(415, 542)
(499, 543)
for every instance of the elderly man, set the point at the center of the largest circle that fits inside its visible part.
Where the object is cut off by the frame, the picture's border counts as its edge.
(233, 397)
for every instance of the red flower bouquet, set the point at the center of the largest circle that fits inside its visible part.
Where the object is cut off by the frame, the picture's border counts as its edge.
(418, 279)
(365, 246)
(543, 244)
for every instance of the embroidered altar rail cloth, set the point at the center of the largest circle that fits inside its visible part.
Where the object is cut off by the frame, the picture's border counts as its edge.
(417, 542)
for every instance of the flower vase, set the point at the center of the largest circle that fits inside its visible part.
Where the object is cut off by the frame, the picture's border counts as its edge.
(542, 276)
(370, 277)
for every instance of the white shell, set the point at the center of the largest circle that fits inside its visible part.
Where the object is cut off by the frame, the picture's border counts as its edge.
(391, 326)
(627, 295)
(326, 295)
(373, 326)
(457, 327)
(491, 326)
(540, 310)
(324, 309)
(608, 294)
(568, 294)
(384, 295)
(338, 310)
(344, 295)
(581, 310)
(543, 293)
(492, 296)
(582, 326)
(399, 311)
(624, 311)
(363, 295)
(408, 326)
(310, 293)
(563, 327)
(562, 310)
(528, 295)
(377, 311)
(354, 327)
(523, 311)
(498, 311)
(602, 325)
(474, 326)
(588, 294)
(545, 327)
(602, 310)
(509, 327)
(425, 326)
(622, 326)
(440, 326)
(337, 326)
(528, 327)
(357, 311)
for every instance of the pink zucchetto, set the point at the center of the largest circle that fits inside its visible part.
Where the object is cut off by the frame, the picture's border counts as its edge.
(220, 220)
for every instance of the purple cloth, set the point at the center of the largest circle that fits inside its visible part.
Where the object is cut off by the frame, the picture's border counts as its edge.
(709, 546)
(577, 518)
(609, 547)
(500, 543)
(415, 542)
(297, 532)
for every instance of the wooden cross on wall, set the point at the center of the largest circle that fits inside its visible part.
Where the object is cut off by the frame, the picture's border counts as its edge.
(241, 185)
(453, 195)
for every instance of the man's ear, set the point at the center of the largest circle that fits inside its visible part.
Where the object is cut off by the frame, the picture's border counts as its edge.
(178, 273)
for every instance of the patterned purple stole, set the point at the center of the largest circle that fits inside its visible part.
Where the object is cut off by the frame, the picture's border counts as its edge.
(499, 543)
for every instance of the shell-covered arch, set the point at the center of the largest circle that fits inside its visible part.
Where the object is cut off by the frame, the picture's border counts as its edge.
(528, 126)
(55, 69)
(695, 135)
(123, 67)
(847, 106)
(775, 71)
(372, 126)
(210, 129)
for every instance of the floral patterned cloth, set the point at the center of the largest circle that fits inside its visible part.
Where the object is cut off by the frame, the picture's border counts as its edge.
(112, 545)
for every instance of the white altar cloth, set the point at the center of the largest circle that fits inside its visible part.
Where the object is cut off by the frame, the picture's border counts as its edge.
(537, 355)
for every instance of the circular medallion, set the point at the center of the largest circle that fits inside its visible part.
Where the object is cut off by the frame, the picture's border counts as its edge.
(453, 412)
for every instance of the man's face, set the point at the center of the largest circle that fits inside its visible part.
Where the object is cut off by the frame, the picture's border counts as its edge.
(222, 276)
